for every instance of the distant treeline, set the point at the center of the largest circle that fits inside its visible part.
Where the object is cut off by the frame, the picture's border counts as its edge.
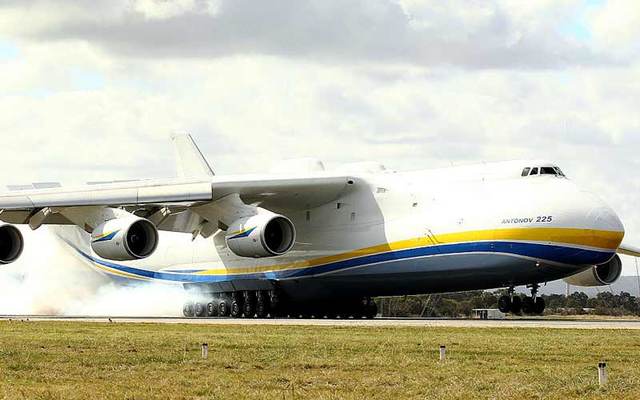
(460, 304)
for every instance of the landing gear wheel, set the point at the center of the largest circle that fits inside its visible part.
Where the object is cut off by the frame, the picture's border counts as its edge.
(262, 305)
(212, 310)
(528, 305)
(274, 298)
(516, 305)
(249, 309)
(236, 309)
(504, 304)
(236, 304)
(187, 310)
(223, 308)
(538, 306)
(275, 304)
(200, 310)
(371, 310)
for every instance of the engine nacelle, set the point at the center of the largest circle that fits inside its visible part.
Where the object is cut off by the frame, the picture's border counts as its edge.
(125, 239)
(598, 275)
(11, 244)
(263, 235)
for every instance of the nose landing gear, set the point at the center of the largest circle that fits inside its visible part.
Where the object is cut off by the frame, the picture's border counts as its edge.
(534, 304)
(510, 303)
(530, 305)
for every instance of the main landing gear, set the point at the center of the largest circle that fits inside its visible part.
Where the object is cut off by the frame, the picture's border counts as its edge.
(530, 305)
(271, 303)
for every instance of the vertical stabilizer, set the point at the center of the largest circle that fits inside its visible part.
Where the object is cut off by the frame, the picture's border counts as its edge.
(190, 161)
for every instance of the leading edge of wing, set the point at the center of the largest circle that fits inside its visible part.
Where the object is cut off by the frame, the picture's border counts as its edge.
(628, 250)
(314, 190)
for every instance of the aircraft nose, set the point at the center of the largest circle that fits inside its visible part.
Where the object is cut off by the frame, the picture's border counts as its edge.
(600, 216)
(605, 230)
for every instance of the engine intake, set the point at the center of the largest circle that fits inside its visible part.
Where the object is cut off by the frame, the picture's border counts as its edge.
(598, 275)
(262, 235)
(125, 239)
(11, 244)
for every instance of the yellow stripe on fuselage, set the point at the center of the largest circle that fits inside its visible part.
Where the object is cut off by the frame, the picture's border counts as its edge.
(608, 240)
(602, 240)
(118, 273)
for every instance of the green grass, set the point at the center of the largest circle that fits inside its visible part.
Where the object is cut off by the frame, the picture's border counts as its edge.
(62, 360)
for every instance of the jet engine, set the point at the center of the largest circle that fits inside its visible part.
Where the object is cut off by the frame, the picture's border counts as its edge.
(598, 275)
(11, 244)
(125, 239)
(263, 235)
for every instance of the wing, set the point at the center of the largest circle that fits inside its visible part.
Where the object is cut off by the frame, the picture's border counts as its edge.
(175, 205)
(629, 250)
(196, 202)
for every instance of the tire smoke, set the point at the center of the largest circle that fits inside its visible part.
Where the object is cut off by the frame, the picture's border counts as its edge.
(51, 279)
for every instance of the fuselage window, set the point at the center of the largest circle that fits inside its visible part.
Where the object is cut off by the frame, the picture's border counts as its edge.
(534, 171)
(525, 171)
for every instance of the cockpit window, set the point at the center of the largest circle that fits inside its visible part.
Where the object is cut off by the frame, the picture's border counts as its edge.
(553, 170)
(548, 171)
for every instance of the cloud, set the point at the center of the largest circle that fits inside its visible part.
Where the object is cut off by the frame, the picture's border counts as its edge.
(500, 34)
(616, 27)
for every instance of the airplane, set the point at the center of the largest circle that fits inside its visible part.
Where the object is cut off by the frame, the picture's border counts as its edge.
(302, 241)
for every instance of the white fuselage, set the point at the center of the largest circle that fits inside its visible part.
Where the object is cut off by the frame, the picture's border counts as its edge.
(438, 230)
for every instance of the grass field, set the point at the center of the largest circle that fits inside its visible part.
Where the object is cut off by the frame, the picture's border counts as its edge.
(66, 360)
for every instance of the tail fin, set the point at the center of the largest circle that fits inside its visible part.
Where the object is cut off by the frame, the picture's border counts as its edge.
(190, 161)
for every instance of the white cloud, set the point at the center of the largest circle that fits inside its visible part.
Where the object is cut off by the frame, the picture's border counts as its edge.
(500, 34)
(165, 9)
(616, 27)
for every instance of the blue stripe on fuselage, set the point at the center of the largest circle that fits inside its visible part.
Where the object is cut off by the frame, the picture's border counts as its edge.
(543, 252)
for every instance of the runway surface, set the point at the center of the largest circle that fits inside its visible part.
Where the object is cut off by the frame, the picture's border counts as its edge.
(378, 322)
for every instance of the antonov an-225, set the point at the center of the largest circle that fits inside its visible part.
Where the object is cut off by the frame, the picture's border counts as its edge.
(303, 241)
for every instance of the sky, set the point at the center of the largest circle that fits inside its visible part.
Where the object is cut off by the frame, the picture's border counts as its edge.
(92, 90)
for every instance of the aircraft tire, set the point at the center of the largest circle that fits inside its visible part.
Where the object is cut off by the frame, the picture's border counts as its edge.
(274, 299)
(504, 304)
(236, 309)
(223, 308)
(527, 305)
(212, 309)
(539, 306)
(249, 306)
(262, 305)
(371, 310)
(187, 310)
(516, 305)
(200, 310)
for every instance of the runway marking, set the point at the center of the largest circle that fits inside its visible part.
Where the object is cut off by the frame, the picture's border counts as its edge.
(380, 322)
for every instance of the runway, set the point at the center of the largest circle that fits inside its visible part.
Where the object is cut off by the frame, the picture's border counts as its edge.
(375, 323)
